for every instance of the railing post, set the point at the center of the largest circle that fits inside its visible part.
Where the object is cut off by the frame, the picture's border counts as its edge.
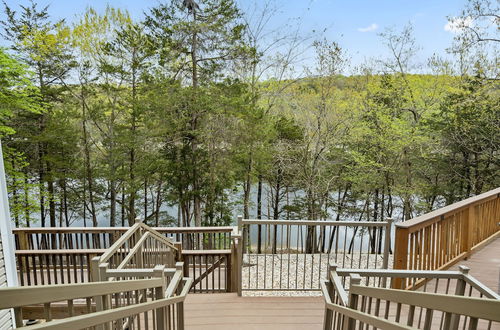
(387, 243)
(331, 268)
(23, 245)
(102, 302)
(236, 262)
(240, 223)
(159, 272)
(178, 246)
(137, 237)
(468, 231)
(400, 254)
(327, 324)
(180, 305)
(451, 321)
(94, 269)
(350, 323)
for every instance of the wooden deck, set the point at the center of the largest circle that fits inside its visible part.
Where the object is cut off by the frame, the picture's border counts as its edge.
(228, 311)
(485, 265)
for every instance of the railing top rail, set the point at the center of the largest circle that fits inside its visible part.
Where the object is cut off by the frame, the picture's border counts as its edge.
(95, 230)
(205, 252)
(481, 308)
(93, 319)
(358, 315)
(486, 291)
(495, 193)
(222, 229)
(339, 288)
(132, 230)
(401, 273)
(158, 236)
(138, 272)
(119, 242)
(60, 251)
(314, 223)
(22, 296)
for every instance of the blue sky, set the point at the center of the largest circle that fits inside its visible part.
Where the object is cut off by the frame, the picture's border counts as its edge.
(353, 23)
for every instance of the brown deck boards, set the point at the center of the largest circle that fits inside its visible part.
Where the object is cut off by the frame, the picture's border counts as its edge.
(485, 265)
(227, 311)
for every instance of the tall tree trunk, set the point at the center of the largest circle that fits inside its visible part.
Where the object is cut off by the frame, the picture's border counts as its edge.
(51, 195)
(133, 193)
(112, 206)
(259, 214)
(194, 126)
(41, 180)
(27, 214)
(247, 185)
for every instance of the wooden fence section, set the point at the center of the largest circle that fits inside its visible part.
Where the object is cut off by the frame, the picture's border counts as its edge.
(294, 255)
(210, 269)
(42, 267)
(139, 248)
(48, 238)
(439, 239)
(356, 299)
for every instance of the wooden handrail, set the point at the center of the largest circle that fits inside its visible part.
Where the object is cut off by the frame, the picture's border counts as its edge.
(222, 229)
(415, 223)
(87, 315)
(439, 239)
(104, 237)
(369, 302)
(61, 251)
(314, 223)
(481, 308)
(22, 296)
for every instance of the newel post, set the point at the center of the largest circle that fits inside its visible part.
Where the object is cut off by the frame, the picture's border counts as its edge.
(178, 246)
(451, 321)
(387, 242)
(137, 236)
(22, 237)
(400, 253)
(350, 323)
(159, 292)
(236, 262)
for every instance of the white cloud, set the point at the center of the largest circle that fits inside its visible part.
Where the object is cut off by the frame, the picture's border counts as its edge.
(369, 28)
(457, 24)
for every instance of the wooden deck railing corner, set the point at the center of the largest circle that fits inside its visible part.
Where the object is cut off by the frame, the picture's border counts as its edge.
(441, 238)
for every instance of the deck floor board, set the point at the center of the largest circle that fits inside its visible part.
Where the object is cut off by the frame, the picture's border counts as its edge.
(228, 311)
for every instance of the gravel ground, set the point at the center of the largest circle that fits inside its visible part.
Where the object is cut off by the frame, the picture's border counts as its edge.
(292, 274)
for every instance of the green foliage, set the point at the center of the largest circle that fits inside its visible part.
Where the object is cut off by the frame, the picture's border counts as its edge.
(169, 119)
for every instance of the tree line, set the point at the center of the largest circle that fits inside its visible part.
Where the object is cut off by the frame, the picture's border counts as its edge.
(201, 108)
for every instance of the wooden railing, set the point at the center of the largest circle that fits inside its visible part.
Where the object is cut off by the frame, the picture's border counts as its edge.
(53, 238)
(355, 299)
(153, 303)
(210, 269)
(140, 247)
(41, 267)
(136, 283)
(439, 239)
(293, 255)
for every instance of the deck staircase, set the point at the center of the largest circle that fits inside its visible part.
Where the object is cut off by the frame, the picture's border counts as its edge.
(136, 284)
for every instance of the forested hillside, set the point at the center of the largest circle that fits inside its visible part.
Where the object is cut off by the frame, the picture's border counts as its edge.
(194, 114)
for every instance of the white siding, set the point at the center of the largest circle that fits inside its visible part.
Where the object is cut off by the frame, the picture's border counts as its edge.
(5, 315)
(8, 274)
